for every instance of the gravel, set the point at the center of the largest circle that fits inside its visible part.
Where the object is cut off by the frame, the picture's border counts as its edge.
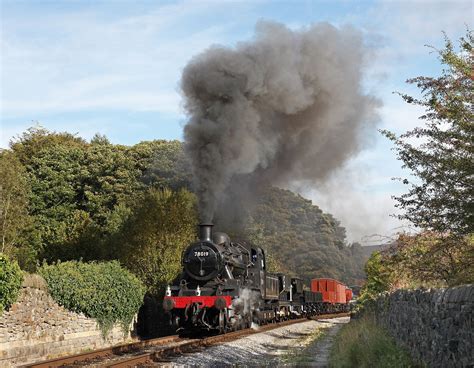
(304, 344)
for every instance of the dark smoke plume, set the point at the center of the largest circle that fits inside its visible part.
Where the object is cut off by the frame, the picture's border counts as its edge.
(285, 107)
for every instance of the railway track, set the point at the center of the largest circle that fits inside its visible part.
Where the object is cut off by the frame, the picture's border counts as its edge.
(139, 354)
(102, 354)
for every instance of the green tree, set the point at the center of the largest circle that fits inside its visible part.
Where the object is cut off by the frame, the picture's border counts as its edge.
(162, 224)
(440, 198)
(36, 138)
(162, 163)
(379, 278)
(298, 236)
(14, 193)
(82, 193)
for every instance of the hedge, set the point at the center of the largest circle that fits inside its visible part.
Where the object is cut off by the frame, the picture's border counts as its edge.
(11, 278)
(104, 291)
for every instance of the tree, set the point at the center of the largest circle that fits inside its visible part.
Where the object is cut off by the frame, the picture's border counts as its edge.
(379, 278)
(14, 193)
(82, 192)
(431, 260)
(440, 198)
(160, 227)
(298, 236)
(35, 139)
(163, 164)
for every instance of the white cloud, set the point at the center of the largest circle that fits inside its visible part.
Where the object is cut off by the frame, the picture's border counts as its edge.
(412, 24)
(81, 61)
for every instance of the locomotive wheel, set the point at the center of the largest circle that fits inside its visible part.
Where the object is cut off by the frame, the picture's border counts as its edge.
(223, 321)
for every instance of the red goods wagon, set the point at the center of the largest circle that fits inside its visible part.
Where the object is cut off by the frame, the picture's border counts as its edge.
(348, 295)
(340, 293)
(333, 291)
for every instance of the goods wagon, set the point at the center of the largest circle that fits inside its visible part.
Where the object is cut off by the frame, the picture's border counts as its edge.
(348, 295)
(333, 291)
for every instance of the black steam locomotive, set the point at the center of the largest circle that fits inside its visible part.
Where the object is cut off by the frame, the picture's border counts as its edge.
(225, 286)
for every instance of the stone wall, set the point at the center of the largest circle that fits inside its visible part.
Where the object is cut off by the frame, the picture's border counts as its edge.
(435, 326)
(36, 328)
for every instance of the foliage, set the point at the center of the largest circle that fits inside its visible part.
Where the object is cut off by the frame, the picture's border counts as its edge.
(104, 291)
(423, 260)
(440, 196)
(362, 343)
(379, 279)
(254, 232)
(163, 164)
(35, 139)
(150, 244)
(429, 259)
(11, 278)
(302, 238)
(14, 191)
(82, 193)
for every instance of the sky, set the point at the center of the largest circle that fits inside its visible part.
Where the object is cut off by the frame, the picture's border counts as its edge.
(113, 67)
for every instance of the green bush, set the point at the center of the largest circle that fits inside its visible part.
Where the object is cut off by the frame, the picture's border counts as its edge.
(11, 278)
(361, 343)
(104, 291)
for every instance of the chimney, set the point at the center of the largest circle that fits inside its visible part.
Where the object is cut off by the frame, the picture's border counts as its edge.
(205, 232)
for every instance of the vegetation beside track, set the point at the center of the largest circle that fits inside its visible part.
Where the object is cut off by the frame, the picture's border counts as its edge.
(362, 343)
(10, 282)
(104, 291)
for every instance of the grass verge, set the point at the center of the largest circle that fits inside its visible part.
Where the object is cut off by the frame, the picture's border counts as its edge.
(300, 355)
(362, 343)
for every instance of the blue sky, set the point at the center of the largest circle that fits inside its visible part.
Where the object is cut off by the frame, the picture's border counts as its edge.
(113, 67)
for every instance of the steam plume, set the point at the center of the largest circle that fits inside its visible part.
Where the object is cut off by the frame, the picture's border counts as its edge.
(284, 107)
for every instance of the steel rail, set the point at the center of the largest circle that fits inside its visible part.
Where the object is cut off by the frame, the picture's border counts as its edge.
(102, 353)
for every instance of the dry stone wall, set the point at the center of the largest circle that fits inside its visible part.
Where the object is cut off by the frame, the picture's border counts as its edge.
(37, 328)
(435, 326)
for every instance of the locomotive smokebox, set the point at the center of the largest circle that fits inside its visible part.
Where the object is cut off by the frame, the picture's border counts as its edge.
(205, 232)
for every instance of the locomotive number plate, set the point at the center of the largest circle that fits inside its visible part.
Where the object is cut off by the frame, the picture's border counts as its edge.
(201, 254)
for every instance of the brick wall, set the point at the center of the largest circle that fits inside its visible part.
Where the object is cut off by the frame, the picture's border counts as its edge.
(435, 326)
(36, 328)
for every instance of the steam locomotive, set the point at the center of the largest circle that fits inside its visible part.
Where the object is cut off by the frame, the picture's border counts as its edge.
(225, 286)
